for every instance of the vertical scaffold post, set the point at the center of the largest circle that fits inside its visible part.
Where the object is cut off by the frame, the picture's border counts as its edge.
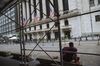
(59, 34)
(23, 63)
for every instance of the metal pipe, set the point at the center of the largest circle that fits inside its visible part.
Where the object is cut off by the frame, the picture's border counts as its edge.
(59, 34)
(23, 43)
(65, 51)
(21, 47)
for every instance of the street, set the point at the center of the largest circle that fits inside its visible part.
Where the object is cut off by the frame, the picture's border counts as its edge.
(83, 47)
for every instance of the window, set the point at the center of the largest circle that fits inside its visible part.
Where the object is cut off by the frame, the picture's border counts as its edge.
(97, 18)
(30, 10)
(30, 35)
(47, 8)
(56, 35)
(47, 25)
(26, 37)
(40, 26)
(98, 1)
(48, 35)
(56, 24)
(55, 6)
(91, 2)
(66, 22)
(41, 9)
(25, 29)
(35, 12)
(29, 28)
(65, 5)
(34, 27)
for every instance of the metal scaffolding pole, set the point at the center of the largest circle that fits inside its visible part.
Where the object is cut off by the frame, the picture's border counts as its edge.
(61, 56)
(22, 35)
(22, 42)
(37, 44)
(21, 51)
(59, 34)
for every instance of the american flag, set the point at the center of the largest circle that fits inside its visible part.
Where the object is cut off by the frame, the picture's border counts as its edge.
(51, 12)
(24, 22)
(36, 18)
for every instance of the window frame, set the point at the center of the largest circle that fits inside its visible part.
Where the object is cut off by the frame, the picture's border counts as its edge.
(91, 3)
(40, 26)
(97, 18)
(48, 26)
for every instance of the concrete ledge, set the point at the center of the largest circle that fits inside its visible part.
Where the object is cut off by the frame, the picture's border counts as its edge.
(46, 62)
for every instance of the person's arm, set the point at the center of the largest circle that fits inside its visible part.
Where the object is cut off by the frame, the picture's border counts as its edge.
(75, 54)
(63, 50)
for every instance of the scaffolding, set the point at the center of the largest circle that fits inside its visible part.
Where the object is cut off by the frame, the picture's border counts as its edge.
(55, 19)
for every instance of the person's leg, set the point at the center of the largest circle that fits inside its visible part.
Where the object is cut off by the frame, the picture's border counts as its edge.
(77, 60)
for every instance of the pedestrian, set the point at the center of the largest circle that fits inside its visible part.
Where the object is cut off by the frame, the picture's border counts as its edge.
(69, 53)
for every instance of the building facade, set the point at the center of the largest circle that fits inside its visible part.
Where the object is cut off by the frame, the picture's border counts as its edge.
(86, 24)
(40, 12)
(38, 16)
(7, 26)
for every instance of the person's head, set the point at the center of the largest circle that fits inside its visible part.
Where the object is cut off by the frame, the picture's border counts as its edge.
(71, 44)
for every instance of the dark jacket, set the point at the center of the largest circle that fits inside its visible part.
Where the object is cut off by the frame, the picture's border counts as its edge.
(67, 56)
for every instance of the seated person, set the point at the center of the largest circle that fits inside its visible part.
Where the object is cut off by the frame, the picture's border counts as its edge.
(67, 55)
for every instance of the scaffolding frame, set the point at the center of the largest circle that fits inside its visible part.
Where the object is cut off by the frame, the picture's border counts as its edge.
(22, 41)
